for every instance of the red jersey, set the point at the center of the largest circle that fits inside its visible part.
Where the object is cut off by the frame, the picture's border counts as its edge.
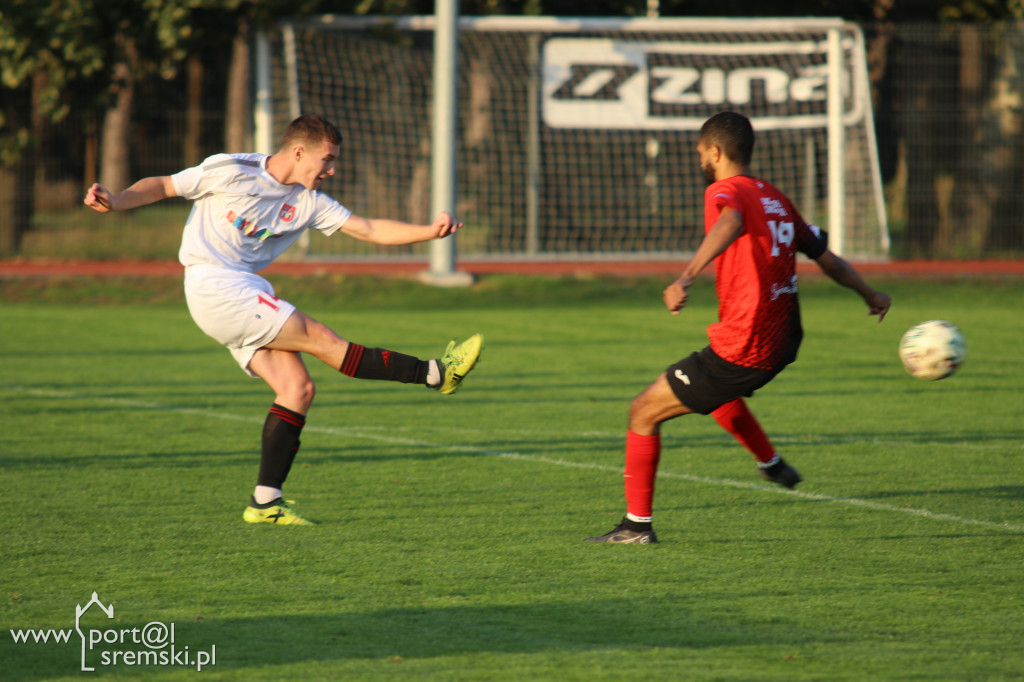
(755, 277)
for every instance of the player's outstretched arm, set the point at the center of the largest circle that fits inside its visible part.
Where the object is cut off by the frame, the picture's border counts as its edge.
(143, 192)
(845, 274)
(724, 232)
(395, 232)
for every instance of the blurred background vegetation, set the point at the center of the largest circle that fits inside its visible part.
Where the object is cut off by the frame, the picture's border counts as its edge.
(113, 90)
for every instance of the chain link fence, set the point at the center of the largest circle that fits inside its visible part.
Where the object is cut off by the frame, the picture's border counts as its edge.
(948, 103)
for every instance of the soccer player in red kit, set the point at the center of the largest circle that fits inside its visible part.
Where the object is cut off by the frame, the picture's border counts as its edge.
(752, 233)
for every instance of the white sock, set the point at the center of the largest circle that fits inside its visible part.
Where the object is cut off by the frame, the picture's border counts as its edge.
(639, 519)
(433, 374)
(770, 463)
(265, 493)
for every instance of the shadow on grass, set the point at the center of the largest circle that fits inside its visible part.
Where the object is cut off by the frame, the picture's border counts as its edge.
(193, 459)
(424, 633)
(795, 439)
(1000, 492)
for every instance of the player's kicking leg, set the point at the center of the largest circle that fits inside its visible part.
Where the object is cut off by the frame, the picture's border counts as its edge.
(445, 374)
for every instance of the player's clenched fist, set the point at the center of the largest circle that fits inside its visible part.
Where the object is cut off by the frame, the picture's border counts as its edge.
(445, 224)
(675, 295)
(98, 198)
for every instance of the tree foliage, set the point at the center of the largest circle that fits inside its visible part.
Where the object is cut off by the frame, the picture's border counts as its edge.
(62, 48)
(58, 43)
(51, 43)
(87, 55)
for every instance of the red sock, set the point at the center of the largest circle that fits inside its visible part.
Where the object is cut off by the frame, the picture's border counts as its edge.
(736, 418)
(642, 456)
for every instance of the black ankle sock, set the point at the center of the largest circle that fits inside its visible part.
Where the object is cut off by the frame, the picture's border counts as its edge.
(638, 526)
(379, 363)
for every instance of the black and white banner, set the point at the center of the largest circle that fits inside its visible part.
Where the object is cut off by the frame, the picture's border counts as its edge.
(609, 83)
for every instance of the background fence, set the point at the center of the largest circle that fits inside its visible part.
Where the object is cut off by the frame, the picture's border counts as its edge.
(578, 136)
(948, 104)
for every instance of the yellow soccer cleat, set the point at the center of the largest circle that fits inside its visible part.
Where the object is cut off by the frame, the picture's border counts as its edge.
(276, 511)
(457, 362)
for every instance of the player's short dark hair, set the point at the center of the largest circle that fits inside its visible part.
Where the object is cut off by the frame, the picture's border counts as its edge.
(732, 133)
(310, 129)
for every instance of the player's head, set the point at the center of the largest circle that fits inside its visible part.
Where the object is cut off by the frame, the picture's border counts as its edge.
(732, 135)
(310, 130)
(312, 144)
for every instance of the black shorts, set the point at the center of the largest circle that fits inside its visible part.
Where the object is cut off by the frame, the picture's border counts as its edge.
(703, 381)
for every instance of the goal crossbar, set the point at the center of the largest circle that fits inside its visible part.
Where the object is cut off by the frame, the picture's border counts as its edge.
(578, 24)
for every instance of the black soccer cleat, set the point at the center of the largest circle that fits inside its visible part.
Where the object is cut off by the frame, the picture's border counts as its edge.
(780, 473)
(626, 533)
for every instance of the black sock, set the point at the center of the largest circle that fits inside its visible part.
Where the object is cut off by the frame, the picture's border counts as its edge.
(281, 433)
(379, 363)
(637, 526)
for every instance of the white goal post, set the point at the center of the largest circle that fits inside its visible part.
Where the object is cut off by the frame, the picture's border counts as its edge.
(575, 137)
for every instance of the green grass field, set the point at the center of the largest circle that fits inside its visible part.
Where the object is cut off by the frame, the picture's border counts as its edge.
(449, 538)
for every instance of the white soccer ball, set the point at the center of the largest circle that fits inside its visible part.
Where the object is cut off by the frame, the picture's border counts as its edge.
(933, 350)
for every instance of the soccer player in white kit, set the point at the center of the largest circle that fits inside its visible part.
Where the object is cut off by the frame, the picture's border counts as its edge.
(248, 209)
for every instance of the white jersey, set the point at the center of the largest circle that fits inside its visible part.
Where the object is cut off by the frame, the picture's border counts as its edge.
(242, 218)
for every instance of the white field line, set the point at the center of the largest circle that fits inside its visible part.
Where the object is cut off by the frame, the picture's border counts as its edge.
(363, 433)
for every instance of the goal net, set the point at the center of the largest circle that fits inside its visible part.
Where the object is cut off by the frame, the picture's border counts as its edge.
(576, 137)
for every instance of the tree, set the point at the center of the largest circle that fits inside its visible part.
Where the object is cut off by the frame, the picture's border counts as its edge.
(47, 48)
(139, 38)
(249, 17)
(43, 47)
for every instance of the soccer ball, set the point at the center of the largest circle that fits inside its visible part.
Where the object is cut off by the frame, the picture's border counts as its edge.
(933, 350)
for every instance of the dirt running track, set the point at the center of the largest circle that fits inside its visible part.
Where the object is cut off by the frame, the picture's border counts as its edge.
(909, 269)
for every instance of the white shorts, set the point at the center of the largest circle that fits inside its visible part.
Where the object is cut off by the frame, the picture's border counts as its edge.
(238, 309)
